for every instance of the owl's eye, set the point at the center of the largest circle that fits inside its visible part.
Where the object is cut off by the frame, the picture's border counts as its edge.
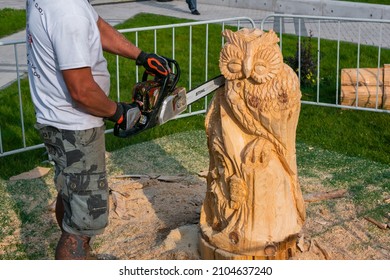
(260, 68)
(230, 62)
(235, 65)
(268, 63)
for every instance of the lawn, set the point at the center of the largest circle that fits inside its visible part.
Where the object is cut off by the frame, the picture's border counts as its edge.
(11, 21)
(380, 2)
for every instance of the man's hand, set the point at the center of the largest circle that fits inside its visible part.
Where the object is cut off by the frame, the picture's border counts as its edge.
(120, 116)
(154, 64)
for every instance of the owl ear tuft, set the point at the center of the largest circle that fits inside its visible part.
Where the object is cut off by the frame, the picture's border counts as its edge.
(269, 38)
(234, 38)
(229, 35)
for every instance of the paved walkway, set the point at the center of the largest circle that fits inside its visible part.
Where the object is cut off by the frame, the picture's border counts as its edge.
(178, 8)
(116, 13)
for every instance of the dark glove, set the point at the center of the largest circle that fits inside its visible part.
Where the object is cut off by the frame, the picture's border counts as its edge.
(125, 113)
(154, 64)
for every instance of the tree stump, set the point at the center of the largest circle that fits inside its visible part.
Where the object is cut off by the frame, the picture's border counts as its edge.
(253, 208)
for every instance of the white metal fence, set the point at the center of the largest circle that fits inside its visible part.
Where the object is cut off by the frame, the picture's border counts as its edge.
(194, 34)
(322, 31)
(350, 33)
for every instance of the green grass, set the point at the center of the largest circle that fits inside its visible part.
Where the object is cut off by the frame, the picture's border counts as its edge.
(380, 2)
(25, 220)
(11, 21)
(353, 133)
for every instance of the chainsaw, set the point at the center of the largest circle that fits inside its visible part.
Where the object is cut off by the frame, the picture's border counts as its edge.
(159, 100)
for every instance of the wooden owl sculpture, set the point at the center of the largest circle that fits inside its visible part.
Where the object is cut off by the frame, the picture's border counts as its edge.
(253, 201)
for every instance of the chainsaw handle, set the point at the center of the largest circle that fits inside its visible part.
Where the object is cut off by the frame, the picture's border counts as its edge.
(118, 132)
(172, 64)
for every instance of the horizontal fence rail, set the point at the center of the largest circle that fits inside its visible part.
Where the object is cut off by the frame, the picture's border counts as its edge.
(195, 53)
(362, 83)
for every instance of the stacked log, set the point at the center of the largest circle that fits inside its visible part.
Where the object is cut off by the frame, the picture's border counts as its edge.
(366, 87)
(386, 87)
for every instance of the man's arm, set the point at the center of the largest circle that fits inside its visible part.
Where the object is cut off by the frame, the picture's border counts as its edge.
(81, 84)
(87, 93)
(114, 42)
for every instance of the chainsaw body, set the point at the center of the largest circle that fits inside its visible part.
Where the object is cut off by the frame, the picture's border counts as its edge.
(155, 102)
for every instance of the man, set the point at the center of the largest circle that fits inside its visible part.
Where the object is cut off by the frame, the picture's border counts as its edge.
(192, 6)
(69, 84)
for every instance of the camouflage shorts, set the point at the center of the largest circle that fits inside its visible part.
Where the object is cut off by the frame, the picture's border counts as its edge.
(80, 177)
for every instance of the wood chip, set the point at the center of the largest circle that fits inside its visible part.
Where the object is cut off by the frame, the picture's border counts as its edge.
(132, 176)
(32, 174)
(203, 174)
(120, 206)
(375, 222)
(301, 243)
(311, 245)
(321, 222)
(163, 178)
(322, 249)
(52, 206)
(170, 179)
(312, 197)
(123, 193)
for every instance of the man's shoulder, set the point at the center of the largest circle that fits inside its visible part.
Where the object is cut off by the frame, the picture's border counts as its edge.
(67, 11)
(63, 7)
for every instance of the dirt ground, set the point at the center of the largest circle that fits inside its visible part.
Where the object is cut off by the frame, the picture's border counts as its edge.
(157, 218)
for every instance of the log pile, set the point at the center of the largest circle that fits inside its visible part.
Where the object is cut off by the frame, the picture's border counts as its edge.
(366, 87)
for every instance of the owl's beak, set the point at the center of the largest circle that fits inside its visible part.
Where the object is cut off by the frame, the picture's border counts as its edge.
(247, 67)
(248, 60)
